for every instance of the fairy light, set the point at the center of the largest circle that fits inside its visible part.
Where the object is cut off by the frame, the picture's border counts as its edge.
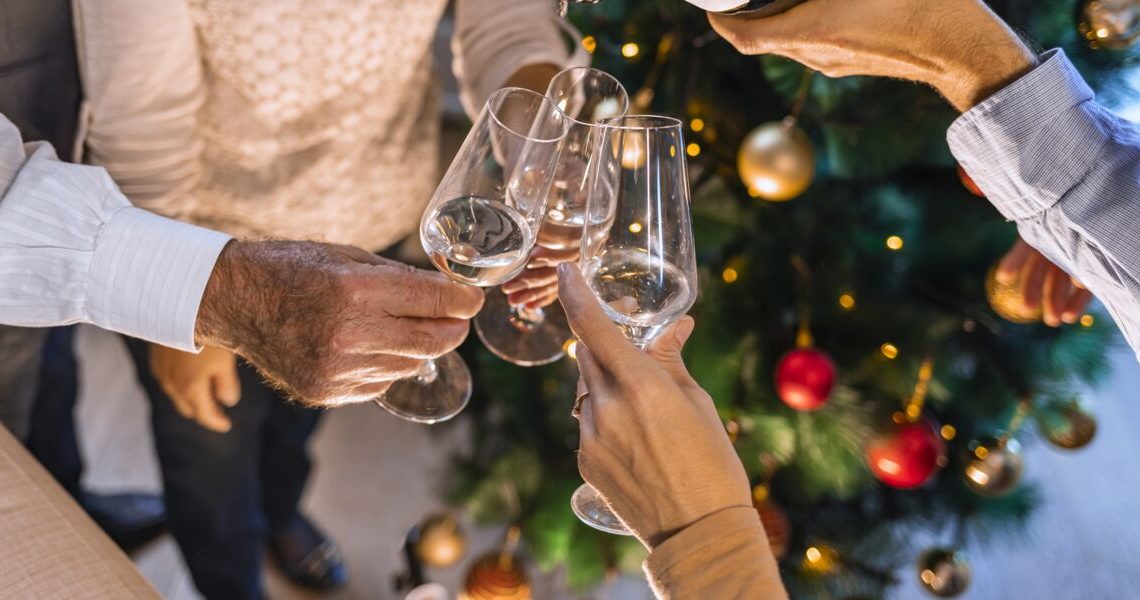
(1087, 320)
(590, 43)
(889, 350)
(693, 149)
(847, 301)
(571, 348)
(697, 124)
(729, 275)
(948, 432)
(895, 243)
(635, 227)
(630, 49)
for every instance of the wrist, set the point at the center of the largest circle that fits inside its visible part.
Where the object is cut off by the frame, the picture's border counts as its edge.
(981, 62)
(221, 311)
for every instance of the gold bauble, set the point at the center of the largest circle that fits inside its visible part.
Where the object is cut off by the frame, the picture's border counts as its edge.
(992, 466)
(441, 542)
(496, 576)
(943, 573)
(1007, 302)
(1112, 24)
(776, 161)
(1074, 428)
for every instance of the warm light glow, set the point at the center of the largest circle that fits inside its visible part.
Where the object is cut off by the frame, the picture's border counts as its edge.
(813, 554)
(635, 227)
(948, 432)
(1102, 33)
(889, 350)
(1087, 320)
(571, 348)
(763, 185)
(729, 275)
(697, 124)
(928, 577)
(847, 301)
(590, 44)
(913, 411)
(898, 417)
(630, 50)
(895, 242)
(672, 151)
(977, 475)
(693, 149)
(981, 452)
(888, 466)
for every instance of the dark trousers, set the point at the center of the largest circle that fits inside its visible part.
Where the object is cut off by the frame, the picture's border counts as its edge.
(225, 492)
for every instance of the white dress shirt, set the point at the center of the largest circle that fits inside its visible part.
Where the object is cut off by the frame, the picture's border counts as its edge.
(74, 250)
(1067, 171)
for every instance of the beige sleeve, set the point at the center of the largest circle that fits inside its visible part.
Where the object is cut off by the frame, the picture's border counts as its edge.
(725, 555)
(494, 39)
(142, 77)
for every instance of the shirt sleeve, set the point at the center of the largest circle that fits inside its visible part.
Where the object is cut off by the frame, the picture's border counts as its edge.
(73, 249)
(1067, 171)
(724, 555)
(494, 39)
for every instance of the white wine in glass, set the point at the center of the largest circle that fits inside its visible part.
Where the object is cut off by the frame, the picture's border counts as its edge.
(637, 251)
(529, 336)
(480, 227)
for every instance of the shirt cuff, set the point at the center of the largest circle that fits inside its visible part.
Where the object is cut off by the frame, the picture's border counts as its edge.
(1029, 143)
(148, 274)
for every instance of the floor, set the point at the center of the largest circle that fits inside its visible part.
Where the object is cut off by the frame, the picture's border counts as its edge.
(1081, 544)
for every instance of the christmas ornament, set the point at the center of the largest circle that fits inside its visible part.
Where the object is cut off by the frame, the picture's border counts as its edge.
(1112, 24)
(1070, 428)
(944, 573)
(968, 182)
(776, 161)
(775, 521)
(1006, 301)
(907, 454)
(804, 378)
(496, 577)
(438, 541)
(992, 466)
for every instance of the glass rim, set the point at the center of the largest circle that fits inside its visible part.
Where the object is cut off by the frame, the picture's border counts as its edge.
(525, 92)
(599, 123)
(659, 122)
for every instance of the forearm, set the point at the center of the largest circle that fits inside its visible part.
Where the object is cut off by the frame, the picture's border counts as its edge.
(1066, 171)
(724, 555)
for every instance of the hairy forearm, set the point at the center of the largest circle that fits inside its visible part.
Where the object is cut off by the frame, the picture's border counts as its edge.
(980, 61)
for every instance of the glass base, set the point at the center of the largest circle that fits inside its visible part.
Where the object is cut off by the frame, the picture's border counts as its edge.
(525, 343)
(593, 511)
(439, 393)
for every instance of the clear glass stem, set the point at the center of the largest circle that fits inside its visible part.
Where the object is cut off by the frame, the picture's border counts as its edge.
(526, 319)
(428, 372)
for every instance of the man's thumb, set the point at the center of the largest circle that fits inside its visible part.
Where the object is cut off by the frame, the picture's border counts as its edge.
(666, 348)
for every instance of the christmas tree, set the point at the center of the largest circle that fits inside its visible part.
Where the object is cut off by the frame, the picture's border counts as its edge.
(873, 384)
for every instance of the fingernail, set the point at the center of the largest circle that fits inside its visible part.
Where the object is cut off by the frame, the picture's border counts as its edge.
(512, 287)
(563, 269)
(684, 330)
(1069, 317)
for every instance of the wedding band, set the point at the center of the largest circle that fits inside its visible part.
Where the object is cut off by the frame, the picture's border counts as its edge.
(577, 411)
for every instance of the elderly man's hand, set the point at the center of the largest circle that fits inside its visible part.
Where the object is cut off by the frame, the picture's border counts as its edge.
(330, 324)
(958, 46)
(651, 441)
(1041, 283)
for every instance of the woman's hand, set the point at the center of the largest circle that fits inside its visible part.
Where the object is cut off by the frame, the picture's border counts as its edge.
(651, 441)
(1043, 284)
(199, 385)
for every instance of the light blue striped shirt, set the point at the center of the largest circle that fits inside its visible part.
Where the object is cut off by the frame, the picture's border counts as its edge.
(1067, 171)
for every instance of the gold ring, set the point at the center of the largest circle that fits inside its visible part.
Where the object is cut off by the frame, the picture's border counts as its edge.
(577, 411)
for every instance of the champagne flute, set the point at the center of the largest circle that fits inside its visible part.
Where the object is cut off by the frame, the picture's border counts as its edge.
(637, 245)
(480, 227)
(537, 336)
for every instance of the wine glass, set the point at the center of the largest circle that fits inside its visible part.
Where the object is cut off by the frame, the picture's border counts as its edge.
(537, 336)
(480, 227)
(637, 245)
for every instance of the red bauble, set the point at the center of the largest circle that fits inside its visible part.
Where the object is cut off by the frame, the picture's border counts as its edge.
(969, 182)
(907, 455)
(804, 378)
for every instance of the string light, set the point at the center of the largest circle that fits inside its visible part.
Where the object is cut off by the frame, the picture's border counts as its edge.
(571, 348)
(729, 275)
(693, 149)
(895, 243)
(847, 301)
(590, 43)
(630, 49)
(948, 432)
(697, 124)
(1087, 320)
(635, 227)
(889, 350)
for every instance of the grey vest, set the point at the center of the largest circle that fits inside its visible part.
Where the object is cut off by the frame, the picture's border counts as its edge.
(39, 75)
